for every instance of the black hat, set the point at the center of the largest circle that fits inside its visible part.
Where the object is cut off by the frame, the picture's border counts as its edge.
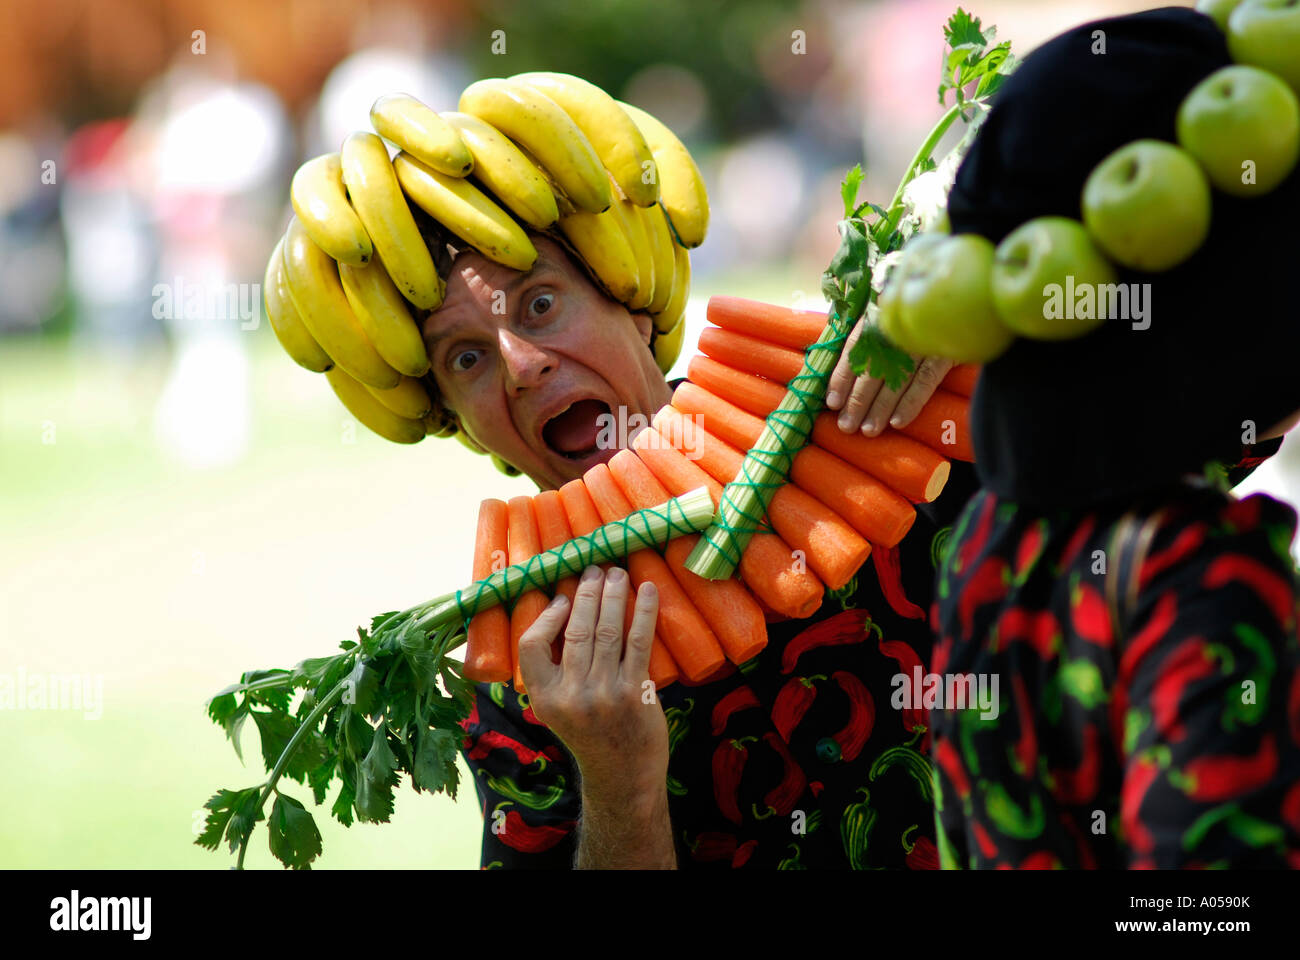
(1122, 410)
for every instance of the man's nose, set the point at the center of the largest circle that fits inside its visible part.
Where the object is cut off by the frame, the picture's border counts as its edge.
(526, 363)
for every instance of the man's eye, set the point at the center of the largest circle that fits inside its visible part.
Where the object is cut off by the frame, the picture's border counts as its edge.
(456, 363)
(541, 304)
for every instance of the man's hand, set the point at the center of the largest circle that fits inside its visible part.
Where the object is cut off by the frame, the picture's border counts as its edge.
(866, 398)
(600, 702)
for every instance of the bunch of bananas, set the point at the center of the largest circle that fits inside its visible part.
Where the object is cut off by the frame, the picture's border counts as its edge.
(363, 261)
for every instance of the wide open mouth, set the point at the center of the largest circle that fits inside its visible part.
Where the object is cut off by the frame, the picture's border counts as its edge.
(573, 433)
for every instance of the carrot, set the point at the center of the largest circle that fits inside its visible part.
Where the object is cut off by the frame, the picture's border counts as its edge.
(961, 379)
(726, 605)
(780, 364)
(909, 466)
(787, 588)
(554, 529)
(525, 543)
(766, 321)
(583, 518)
(944, 416)
(487, 644)
(833, 549)
(875, 511)
(692, 644)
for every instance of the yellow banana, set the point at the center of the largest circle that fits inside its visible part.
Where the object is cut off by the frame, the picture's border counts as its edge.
(614, 136)
(600, 241)
(322, 205)
(383, 315)
(501, 167)
(669, 345)
(634, 231)
(423, 134)
(297, 341)
(316, 291)
(676, 305)
(363, 405)
(378, 200)
(466, 211)
(408, 399)
(540, 124)
(681, 188)
(662, 251)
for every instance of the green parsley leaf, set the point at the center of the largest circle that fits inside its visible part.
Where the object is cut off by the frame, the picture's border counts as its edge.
(230, 716)
(435, 762)
(293, 836)
(376, 777)
(849, 189)
(874, 354)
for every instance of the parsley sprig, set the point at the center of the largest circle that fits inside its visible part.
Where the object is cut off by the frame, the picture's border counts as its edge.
(974, 69)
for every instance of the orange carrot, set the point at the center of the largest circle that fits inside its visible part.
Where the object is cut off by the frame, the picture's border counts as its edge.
(833, 549)
(874, 510)
(766, 321)
(945, 416)
(583, 518)
(726, 605)
(906, 464)
(777, 363)
(788, 588)
(554, 529)
(961, 379)
(525, 543)
(487, 644)
(692, 644)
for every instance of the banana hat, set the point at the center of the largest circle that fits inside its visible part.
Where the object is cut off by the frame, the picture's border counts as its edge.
(365, 257)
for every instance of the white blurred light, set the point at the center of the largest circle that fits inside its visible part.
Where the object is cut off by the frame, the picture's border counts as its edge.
(759, 190)
(365, 76)
(202, 417)
(672, 94)
(226, 141)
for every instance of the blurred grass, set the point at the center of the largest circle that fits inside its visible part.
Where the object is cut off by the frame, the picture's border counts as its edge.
(167, 582)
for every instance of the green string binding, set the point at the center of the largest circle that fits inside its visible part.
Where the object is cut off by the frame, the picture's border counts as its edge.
(610, 541)
(742, 511)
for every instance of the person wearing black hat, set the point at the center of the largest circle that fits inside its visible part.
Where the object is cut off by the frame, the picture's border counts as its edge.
(1140, 621)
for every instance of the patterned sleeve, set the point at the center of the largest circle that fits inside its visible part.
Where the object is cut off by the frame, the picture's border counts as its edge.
(525, 781)
(1252, 455)
(1207, 700)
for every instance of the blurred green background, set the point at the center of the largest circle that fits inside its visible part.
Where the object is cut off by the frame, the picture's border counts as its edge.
(179, 502)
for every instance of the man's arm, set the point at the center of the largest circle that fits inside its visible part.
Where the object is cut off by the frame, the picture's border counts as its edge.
(625, 827)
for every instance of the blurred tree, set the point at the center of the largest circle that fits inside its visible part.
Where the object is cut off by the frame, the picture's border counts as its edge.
(720, 41)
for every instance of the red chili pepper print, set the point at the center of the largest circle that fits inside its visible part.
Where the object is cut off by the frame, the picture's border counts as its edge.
(988, 849)
(1038, 628)
(1189, 662)
(1214, 779)
(1079, 786)
(1185, 544)
(792, 702)
(889, 573)
(862, 716)
(909, 663)
(1028, 551)
(1088, 615)
(848, 627)
(945, 755)
(924, 855)
(1142, 773)
(712, 845)
(742, 698)
(1276, 591)
(743, 853)
(785, 794)
(728, 765)
(988, 584)
(519, 835)
(971, 548)
(1077, 540)
(490, 740)
(1027, 742)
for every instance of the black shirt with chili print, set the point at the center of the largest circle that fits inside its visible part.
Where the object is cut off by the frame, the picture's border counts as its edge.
(796, 760)
(1164, 734)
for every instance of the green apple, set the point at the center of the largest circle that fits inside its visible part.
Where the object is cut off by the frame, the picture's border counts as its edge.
(945, 302)
(1041, 263)
(889, 318)
(1147, 205)
(1218, 11)
(1237, 115)
(1266, 33)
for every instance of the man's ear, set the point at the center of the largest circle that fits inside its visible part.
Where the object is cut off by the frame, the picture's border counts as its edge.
(644, 325)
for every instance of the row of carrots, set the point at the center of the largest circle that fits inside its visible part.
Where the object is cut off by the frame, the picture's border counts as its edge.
(845, 493)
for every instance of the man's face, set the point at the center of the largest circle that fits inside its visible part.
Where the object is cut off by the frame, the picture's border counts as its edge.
(531, 361)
